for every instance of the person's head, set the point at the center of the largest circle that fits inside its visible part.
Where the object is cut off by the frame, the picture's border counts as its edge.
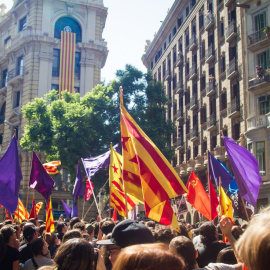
(183, 231)
(39, 247)
(75, 254)
(86, 237)
(7, 222)
(73, 221)
(61, 227)
(50, 238)
(71, 235)
(253, 247)
(184, 248)
(29, 234)
(208, 233)
(18, 230)
(7, 234)
(34, 221)
(150, 224)
(226, 256)
(42, 229)
(107, 226)
(237, 232)
(164, 235)
(126, 233)
(148, 256)
(80, 226)
(90, 229)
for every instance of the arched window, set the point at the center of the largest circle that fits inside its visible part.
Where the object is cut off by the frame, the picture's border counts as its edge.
(70, 25)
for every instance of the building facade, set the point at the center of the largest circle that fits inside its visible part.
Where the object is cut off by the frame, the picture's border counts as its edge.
(30, 62)
(200, 54)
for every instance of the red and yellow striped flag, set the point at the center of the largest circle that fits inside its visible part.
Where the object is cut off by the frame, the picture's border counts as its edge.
(49, 217)
(117, 193)
(21, 212)
(67, 62)
(8, 216)
(50, 167)
(150, 171)
(38, 207)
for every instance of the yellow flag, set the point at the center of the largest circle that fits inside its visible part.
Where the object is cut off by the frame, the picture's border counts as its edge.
(49, 217)
(225, 204)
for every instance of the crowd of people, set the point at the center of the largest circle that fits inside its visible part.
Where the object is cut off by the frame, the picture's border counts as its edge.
(133, 245)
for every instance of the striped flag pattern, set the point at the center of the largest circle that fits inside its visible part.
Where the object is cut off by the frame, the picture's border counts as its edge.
(67, 62)
(51, 167)
(150, 171)
(21, 212)
(117, 192)
(49, 217)
(8, 216)
(38, 207)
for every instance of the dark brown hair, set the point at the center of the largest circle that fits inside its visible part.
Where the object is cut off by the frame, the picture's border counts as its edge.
(71, 234)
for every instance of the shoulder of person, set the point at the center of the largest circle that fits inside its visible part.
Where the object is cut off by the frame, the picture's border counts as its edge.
(219, 266)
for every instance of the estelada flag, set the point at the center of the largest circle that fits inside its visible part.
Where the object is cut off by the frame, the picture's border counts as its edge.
(51, 167)
(88, 190)
(49, 217)
(117, 192)
(225, 204)
(197, 196)
(21, 212)
(147, 174)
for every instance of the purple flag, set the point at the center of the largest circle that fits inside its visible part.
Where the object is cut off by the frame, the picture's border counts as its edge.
(216, 171)
(78, 187)
(245, 169)
(74, 210)
(66, 208)
(40, 180)
(94, 164)
(10, 177)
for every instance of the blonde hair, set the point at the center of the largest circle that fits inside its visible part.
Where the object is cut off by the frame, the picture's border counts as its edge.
(148, 257)
(253, 247)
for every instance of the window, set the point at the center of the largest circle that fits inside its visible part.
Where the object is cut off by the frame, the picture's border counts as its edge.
(264, 59)
(6, 40)
(22, 24)
(170, 38)
(250, 148)
(204, 147)
(264, 104)
(66, 23)
(187, 11)
(76, 90)
(213, 142)
(16, 99)
(223, 101)
(20, 66)
(164, 46)
(56, 63)
(236, 131)
(77, 65)
(174, 31)
(260, 21)
(260, 155)
(180, 21)
(4, 78)
(55, 87)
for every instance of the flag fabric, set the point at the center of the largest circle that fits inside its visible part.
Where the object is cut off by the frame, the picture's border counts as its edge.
(78, 187)
(94, 164)
(67, 61)
(38, 207)
(66, 208)
(197, 196)
(88, 190)
(226, 208)
(33, 213)
(217, 171)
(8, 216)
(114, 216)
(181, 205)
(51, 167)
(21, 212)
(233, 188)
(213, 200)
(10, 177)
(49, 217)
(40, 180)
(245, 169)
(74, 210)
(117, 192)
(147, 173)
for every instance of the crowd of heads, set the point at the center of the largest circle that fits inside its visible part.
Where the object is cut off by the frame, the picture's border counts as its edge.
(130, 244)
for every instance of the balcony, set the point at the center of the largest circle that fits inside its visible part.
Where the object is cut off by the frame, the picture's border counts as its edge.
(15, 76)
(230, 33)
(228, 2)
(219, 152)
(194, 134)
(209, 22)
(3, 83)
(232, 69)
(179, 60)
(199, 163)
(258, 122)
(210, 54)
(167, 75)
(258, 40)
(255, 82)
(234, 108)
(179, 88)
(183, 169)
(179, 143)
(179, 115)
(190, 165)
(193, 43)
(193, 102)
(2, 119)
(220, 4)
(210, 89)
(193, 72)
(211, 123)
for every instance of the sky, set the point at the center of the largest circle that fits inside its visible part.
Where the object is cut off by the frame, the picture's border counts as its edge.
(129, 24)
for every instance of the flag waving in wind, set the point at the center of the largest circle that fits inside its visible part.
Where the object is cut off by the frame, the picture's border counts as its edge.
(78, 187)
(225, 204)
(147, 173)
(21, 212)
(49, 217)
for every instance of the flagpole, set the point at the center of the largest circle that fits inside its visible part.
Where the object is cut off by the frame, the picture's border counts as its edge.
(26, 201)
(219, 188)
(78, 205)
(83, 208)
(209, 185)
(245, 208)
(99, 213)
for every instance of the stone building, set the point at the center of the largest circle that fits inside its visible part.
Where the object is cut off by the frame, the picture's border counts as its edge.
(200, 54)
(30, 61)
